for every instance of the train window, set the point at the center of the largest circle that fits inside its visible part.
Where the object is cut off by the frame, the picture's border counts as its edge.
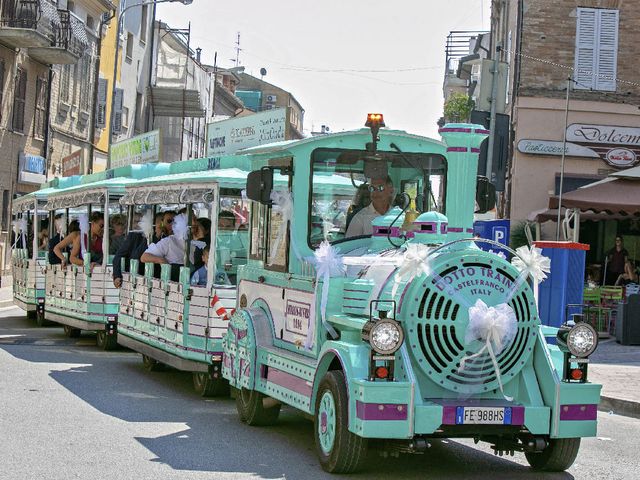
(342, 181)
(231, 236)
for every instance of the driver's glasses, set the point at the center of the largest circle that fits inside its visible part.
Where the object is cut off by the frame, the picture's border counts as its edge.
(376, 188)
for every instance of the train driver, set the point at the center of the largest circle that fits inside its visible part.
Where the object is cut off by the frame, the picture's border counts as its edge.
(381, 190)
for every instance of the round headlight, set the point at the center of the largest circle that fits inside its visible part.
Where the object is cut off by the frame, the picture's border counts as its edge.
(386, 336)
(582, 340)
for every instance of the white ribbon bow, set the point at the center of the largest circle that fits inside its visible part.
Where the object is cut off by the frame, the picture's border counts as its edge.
(146, 224)
(531, 261)
(328, 263)
(283, 203)
(83, 221)
(414, 262)
(496, 327)
(20, 229)
(61, 225)
(180, 227)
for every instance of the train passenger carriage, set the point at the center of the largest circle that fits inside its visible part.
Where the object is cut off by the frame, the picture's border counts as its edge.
(396, 328)
(79, 290)
(29, 252)
(168, 313)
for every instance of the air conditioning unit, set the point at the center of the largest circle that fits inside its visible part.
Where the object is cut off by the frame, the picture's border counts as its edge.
(271, 99)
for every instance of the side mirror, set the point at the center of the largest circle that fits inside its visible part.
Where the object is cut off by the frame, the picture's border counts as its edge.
(259, 185)
(485, 195)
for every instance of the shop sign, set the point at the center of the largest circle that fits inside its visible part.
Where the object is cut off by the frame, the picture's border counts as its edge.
(616, 145)
(71, 164)
(548, 147)
(32, 169)
(228, 136)
(621, 157)
(143, 148)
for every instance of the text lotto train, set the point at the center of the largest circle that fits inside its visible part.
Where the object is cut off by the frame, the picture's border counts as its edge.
(388, 329)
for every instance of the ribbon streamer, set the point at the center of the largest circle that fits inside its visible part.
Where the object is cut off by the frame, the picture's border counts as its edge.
(283, 203)
(328, 263)
(414, 262)
(61, 225)
(83, 220)
(20, 227)
(496, 327)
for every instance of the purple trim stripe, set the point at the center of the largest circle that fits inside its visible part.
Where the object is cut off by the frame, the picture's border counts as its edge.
(475, 150)
(457, 149)
(482, 130)
(444, 227)
(455, 230)
(459, 129)
(289, 381)
(469, 230)
(381, 411)
(578, 412)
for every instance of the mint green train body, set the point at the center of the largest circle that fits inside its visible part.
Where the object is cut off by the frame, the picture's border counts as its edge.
(272, 360)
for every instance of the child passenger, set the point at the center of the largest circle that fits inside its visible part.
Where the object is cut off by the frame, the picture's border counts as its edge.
(199, 277)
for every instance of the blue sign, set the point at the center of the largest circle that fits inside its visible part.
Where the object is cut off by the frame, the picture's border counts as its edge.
(34, 164)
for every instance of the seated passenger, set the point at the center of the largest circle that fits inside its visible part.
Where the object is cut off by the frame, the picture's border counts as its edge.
(169, 250)
(132, 248)
(199, 277)
(43, 235)
(93, 242)
(162, 225)
(118, 226)
(201, 233)
(381, 190)
(361, 200)
(64, 245)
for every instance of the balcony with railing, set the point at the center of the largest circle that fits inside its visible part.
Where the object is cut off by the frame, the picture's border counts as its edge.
(69, 42)
(27, 23)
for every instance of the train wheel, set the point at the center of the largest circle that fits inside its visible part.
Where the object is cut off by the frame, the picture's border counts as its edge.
(205, 386)
(556, 457)
(151, 364)
(71, 332)
(252, 411)
(106, 342)
(339, 450)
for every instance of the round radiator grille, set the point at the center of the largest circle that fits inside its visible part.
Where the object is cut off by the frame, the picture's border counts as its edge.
(437, 323)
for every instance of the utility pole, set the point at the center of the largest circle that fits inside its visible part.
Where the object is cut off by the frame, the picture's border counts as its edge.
(492, 118)
(564, 149)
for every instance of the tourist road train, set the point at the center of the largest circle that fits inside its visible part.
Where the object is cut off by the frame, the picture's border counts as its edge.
(388, 330)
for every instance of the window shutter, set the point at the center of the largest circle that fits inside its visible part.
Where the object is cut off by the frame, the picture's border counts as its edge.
(607, 57)
(117, 111)
(101, 105)
(585, 64)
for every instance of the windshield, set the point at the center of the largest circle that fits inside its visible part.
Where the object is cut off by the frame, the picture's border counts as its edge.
(346, 183)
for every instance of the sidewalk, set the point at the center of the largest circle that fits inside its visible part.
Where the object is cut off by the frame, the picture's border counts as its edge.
(616, 367)
(6, 293)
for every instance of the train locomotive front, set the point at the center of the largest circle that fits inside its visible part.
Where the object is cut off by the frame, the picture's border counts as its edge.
(410, 333)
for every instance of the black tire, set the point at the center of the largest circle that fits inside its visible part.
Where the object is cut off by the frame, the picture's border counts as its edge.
(252, 411)
(205, 386)
(348, 451)
(151, 364)
(71, 332)
(106, 342)
(31, 314)
(556, 457)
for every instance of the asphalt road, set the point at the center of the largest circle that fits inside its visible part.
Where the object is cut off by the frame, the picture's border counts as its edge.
(69, 410)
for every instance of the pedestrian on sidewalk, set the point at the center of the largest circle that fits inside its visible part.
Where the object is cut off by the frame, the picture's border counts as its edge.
(616, 259)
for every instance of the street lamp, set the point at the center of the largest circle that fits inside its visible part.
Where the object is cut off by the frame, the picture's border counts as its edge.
(115, 63)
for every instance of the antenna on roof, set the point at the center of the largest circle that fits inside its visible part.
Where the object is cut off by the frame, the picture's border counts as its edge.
(238, 50)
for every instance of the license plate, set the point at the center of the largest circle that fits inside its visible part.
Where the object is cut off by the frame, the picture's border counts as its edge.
(483, 416)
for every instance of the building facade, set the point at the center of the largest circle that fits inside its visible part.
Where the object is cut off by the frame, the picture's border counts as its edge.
(73, 92)
(259, 95)
(589, 46)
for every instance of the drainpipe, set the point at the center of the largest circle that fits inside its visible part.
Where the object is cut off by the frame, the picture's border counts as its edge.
(47, 140)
